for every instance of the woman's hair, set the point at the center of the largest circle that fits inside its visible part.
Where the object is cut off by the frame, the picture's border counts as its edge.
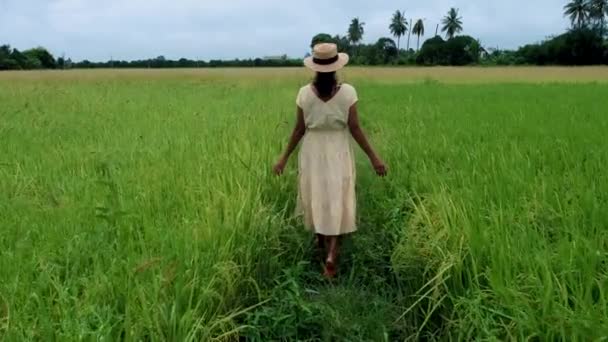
(325, 82)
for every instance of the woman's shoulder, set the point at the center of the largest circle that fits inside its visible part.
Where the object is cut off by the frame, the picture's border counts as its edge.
(303, 94)
(348, 87)
(304, 89)
(349, 92)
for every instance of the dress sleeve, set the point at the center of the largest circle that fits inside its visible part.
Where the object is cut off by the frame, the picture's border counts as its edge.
(299, 98)
(353, 98)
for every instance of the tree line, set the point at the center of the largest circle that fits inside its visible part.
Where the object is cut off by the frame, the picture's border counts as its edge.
(583, 44)
(41, 58)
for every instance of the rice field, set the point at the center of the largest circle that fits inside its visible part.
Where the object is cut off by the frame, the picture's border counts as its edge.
(140, 205)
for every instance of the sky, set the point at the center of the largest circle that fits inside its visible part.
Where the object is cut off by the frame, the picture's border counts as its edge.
(100, 30)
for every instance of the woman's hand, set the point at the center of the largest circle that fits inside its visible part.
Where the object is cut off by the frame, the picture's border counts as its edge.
(379, 166)
(279, 167)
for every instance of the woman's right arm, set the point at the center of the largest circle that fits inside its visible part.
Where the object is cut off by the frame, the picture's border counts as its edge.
(357, 132)
(296, 135)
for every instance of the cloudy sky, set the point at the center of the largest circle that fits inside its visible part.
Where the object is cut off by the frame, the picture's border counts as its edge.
(206, 29)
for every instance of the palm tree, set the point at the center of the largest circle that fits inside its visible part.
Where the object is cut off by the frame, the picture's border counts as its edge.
(409, 35)
(578, 12)
(356, 31)
(419, 31)
(398, 26)
(598, 11)
(452, 23)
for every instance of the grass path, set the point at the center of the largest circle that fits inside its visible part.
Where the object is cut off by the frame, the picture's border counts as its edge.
(364, 303)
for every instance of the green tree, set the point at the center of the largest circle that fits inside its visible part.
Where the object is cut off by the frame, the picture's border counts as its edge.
(342, 42)
(432, 52)
(598, 10)
(321, 38)
(418, 30)
(5, 52)
(387, 50)
(452, 23)
(20, 59)
(578, 11)
(356, 31)
(41, 54)
(398, 26)
(463, 50)
(6, 62)
(582, 46)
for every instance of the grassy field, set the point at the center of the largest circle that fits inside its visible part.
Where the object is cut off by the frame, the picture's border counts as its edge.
(139, 205)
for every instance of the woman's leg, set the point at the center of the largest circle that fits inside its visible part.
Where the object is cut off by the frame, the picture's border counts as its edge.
(320, 242)
(332, 255)
(332, 250)
(321, 251)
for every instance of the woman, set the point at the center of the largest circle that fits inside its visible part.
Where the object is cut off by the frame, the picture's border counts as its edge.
(326, 114)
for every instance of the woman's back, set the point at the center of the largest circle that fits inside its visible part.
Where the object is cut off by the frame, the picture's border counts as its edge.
(331, 114)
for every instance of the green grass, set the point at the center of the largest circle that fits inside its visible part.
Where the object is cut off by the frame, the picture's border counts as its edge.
(143, 208)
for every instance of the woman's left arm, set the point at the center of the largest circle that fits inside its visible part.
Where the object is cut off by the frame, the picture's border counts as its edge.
(357, 132)
(296, 135)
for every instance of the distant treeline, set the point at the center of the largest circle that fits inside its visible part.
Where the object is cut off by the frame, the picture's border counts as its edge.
(162, 62)
(583, 44)
(41, 58)
(576, 47)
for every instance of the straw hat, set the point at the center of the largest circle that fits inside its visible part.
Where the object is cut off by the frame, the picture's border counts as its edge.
(325, 58)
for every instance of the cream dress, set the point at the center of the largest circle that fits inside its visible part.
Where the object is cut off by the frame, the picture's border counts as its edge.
(326, 192)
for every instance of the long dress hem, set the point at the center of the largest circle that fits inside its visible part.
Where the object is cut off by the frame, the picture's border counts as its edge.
(326, 166)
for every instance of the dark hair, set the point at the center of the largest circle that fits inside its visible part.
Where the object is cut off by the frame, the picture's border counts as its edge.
(325, 82)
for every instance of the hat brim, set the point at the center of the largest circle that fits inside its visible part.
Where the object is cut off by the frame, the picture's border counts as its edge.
(335, 66)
